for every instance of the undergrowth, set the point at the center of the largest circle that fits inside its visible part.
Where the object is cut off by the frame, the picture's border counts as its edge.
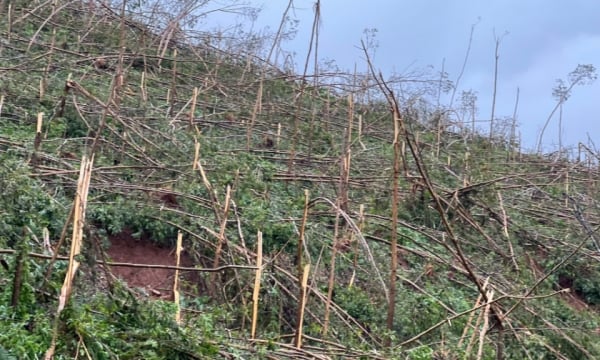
(496, 248)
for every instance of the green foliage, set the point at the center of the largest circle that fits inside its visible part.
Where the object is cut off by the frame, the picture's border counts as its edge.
(143, 184)
(421, 353)
(126, 215)
(581, 277)
(25, 208)
(133, 330)
(5, 355)
(25, 338)
(356, 303)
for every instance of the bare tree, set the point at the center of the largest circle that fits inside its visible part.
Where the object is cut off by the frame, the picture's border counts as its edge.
(496, 60)
(582, 75)
(468, 107)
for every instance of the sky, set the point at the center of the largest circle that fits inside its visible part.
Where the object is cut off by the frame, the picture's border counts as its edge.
(541, 41)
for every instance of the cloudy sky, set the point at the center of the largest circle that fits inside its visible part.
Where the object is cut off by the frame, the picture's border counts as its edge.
(542, 42)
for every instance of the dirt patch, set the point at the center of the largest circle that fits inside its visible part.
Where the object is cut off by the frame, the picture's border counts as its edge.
(155, 282)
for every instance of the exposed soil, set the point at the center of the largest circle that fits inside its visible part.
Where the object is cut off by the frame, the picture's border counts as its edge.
(155, 282)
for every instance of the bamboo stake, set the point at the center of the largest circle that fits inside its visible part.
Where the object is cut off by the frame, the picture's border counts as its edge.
(55, 256)
(211, 192)
(394, 228)
(80, 204)
(331, 282)
(196, 153)
(173, 97)
(301, 237)
(176, 281)
(360, 126)
(467, 170)
(301, 305)
(41, 89)
(361, 225)
(479, 317)
(278, 135)
(484, 328)
(469, 321)
(256, 284)
(567, 188)
(255, 112)
(9, 23)
(505, 232)
(222, 240)
(143, 88)
(193, 107)
(44, 79)
(38, 133)
(83, 185)
(302, 271)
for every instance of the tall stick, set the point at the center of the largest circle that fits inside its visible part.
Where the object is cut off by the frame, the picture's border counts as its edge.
(256, 284)
(173, 89)
(301, 304)
(394, 230)
(513, 130)
(176, 281)
(193, 107)
(301, 270)
(301, 237)
(331, 282)
(485, 327)
(496, 58)
(222, 240)
(80, 204)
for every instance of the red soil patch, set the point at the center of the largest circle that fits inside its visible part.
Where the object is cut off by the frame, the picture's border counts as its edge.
(156, 282)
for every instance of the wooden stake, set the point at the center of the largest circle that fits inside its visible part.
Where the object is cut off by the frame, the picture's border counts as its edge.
(256, 284)
(143, 88)
(176, 281)
(567, 188)
(222, 241)
(301, 304)
(361, 225)
(360, 125)
(505, 232)
(38, 132)
(255, 112)
(302, 272)
(484, 328)
(173, 98)
(37, 141)
(301, 237)
(79, 207)
(193, 108)
(331, 282)
(391, 296)
(278, 134)
(42, 86)
(196, 153)
(481, 314)
(9, 23)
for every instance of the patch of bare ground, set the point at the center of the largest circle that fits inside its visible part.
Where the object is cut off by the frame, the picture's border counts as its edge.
(156, 282)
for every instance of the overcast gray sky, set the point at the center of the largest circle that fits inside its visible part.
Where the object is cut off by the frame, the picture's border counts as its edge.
(544, 41)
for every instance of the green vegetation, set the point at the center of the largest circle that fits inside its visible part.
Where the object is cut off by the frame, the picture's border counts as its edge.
(496, 249)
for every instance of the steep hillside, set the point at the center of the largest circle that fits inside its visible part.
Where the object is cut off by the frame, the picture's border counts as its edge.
(120, 133)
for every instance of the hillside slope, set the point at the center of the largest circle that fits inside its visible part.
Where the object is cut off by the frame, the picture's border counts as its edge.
(495, 256)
